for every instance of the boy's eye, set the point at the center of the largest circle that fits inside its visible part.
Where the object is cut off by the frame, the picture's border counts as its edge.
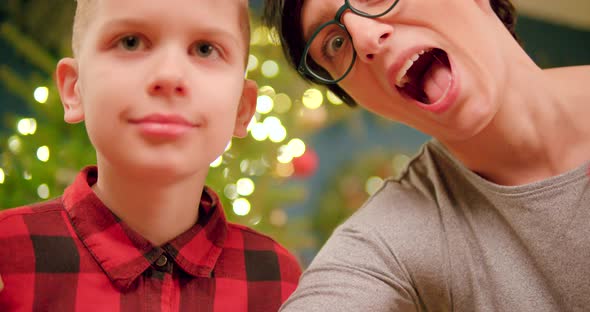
(131, 43)
(204, 49)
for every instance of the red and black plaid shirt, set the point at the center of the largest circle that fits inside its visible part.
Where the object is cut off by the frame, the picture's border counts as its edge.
(73, 254)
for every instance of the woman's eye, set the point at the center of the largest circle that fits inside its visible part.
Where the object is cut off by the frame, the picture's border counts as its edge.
(131, 43)
(333, 46)
(204, 49)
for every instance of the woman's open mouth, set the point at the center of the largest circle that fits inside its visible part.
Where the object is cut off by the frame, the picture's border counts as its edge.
(426, 76)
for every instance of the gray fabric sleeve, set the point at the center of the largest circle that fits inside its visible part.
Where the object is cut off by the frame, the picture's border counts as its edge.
(354, 271)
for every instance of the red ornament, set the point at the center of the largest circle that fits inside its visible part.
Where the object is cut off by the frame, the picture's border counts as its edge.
(305, 165)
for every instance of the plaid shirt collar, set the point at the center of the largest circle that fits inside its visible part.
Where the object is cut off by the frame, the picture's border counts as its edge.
(195, 251)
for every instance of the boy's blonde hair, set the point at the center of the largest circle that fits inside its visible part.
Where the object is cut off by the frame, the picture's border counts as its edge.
(82, 18)
(84, 9)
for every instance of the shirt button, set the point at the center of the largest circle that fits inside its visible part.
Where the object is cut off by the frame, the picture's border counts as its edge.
(162, 261)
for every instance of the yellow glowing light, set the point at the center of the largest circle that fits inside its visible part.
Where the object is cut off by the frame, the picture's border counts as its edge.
(27, 176)
(259, 132)
(267, 90)
(241, 207)
(43, 153)
(228, 146)
(245, 186)
(296, 147)
(41, 94)
(333, 98)
(217, 162)
(27, 126)
(285, 170)
(252, 63)
(282, 103)
(2, 176)
(312, 98)
(259, 36)
(14, 144)
(264, 104)
(279, 134)
(43, 191)
(230, 191)
(285, 155)
(373, 184)
(270, 69)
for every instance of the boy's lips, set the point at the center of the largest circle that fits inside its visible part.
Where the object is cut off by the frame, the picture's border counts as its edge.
(165, 126)
(425, 76)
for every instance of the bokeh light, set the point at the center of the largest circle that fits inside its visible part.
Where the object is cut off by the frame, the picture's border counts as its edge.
(270, 69)
(43, 153)
(41, 94)
(241, 207)
(245, 186)
(312, 98)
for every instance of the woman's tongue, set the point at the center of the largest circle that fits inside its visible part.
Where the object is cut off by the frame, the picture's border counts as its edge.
(436, 81)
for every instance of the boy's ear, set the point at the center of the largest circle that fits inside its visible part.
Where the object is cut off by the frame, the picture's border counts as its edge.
(66, 76)
(247, 108)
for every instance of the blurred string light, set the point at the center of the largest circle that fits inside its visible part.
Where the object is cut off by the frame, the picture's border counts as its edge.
(245, 186)
(267, 90)
(260, 36)
(373, 184)
(27, 126)
(264, 104)
(41, 94)
(27, 175)
(252, 63)
(333, 98)
(2, 176)
(228, 146)
(285, 170)
(278, 217)
(312, 98)
(270, 69)
(14, 144)
(217, 162)
(241, 206)
(283, 103)
(275, 129)
(43, 191)
(295, 148)
(259, 132)
(230, 191)
(43, 153)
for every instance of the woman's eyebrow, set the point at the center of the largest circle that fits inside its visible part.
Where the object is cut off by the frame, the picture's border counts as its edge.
(317, 22)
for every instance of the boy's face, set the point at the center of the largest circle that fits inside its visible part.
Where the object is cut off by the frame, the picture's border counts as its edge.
(160, 84)
(457, 70)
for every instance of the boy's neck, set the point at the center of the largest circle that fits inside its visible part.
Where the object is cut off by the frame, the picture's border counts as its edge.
(540, 131)
(158, 211)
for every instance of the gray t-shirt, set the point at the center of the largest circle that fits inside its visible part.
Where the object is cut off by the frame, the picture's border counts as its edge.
(441, 238)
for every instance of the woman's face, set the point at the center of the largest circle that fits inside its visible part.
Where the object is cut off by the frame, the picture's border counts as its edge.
(435, 65)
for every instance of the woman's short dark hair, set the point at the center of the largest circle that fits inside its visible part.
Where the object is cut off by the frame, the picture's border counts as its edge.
(285, 17)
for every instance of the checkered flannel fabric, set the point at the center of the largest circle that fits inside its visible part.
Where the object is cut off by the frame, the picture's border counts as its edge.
(73, 254)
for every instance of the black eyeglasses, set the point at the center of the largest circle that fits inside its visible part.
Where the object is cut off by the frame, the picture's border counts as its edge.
(329, 54)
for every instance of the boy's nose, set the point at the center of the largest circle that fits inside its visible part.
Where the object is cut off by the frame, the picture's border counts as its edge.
(168, 77)
(168, 87)
(369, 35)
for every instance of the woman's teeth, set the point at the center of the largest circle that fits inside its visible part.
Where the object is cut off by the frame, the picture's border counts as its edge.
(401, 79)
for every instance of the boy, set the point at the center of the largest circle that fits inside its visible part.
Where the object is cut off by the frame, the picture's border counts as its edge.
(160, 86)
(492, 215)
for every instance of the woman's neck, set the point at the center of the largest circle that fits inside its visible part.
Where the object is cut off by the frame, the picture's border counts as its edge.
(540, 130)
